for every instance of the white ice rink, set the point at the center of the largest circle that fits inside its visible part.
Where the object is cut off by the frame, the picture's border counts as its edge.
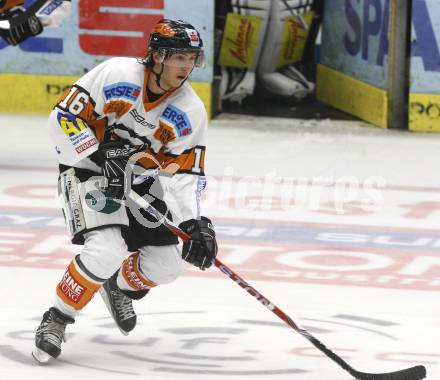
(337, 223)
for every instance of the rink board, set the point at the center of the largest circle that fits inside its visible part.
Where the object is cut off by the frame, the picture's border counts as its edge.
(424, 112)
(353, 96)
(26, 93)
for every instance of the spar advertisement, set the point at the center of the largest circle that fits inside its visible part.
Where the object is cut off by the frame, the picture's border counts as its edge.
(355, 39)
(99, 29)
(424, 110)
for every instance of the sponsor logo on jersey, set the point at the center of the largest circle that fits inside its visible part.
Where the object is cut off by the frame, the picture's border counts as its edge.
(86, 145)
(54, 4)
(97, 201)
(71, 287)
(201, 183)
(80, 135)
(71, 125)
(124, 90)
(177, 119)
(141, 120)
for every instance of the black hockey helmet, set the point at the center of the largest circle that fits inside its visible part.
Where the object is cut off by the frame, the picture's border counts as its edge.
(173, 36)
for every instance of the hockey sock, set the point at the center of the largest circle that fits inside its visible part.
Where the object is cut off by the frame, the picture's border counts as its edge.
(77, 287)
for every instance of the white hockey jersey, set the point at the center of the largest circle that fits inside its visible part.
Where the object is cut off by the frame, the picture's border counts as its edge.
(169, 131)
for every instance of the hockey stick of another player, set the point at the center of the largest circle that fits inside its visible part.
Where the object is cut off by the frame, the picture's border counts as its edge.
(17, 20)
(413, 373)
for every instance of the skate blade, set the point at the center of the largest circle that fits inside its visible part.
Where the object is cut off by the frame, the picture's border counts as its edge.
(40, 356)
(104, 297)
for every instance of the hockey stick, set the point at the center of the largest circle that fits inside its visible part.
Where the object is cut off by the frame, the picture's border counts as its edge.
(17, 20)
(413, 373)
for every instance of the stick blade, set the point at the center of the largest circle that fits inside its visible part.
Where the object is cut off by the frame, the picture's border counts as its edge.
(414, 373)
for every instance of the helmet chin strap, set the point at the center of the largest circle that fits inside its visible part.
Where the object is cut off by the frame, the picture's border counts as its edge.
(158, 75)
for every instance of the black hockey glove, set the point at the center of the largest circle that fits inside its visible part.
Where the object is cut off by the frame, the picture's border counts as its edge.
(201, 250)
(113, 157)
(28, 28)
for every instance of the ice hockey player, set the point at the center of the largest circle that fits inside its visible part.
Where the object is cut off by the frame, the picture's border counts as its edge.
(50, 14)
(144, 112)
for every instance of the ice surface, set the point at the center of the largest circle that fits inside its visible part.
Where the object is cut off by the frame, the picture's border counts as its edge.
(335, 222)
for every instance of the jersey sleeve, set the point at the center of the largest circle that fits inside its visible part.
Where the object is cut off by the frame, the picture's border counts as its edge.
(96, 101)
(186, 156)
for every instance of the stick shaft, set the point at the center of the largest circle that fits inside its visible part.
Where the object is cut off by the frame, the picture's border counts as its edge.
(413, 373)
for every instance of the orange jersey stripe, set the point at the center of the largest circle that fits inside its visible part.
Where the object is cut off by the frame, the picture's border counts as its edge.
(191, 161)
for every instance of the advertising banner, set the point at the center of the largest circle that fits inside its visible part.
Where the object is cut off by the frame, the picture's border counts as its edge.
(293, 39)
(424, 109)
(353, 70)
(99, 29)
(355, 39)
(240, 39)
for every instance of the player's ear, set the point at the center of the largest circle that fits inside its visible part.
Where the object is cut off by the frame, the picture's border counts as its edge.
(156, 57)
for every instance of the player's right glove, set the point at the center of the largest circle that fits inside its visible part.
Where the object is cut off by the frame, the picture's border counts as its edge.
(113, 156)
(30, 27)
(201, 250)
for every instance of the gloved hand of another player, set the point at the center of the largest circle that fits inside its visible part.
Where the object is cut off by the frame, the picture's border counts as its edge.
(113, 157)
(201, 250)
(30, 27)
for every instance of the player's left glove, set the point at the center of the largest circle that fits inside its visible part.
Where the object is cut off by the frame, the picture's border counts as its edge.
(201, 250)
(30, 27)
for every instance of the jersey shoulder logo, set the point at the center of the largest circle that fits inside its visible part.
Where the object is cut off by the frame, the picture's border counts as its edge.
(122, 90)
(78, 132)
(177, 119)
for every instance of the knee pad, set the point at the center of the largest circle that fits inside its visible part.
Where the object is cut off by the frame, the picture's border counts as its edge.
(278, 49)
(288, 82)
(160, 265)
(284, 45)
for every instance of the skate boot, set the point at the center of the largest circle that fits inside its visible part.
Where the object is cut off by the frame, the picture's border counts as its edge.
(50, 334)
(119, 305)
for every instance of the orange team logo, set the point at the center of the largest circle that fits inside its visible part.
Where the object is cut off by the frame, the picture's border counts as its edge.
(119, 107)
(164, 29)
(164, 133)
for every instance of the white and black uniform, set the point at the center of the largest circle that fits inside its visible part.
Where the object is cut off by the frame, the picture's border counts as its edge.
(170, 135)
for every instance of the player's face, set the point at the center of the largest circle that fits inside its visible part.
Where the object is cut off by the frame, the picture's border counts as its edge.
(178, 67)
